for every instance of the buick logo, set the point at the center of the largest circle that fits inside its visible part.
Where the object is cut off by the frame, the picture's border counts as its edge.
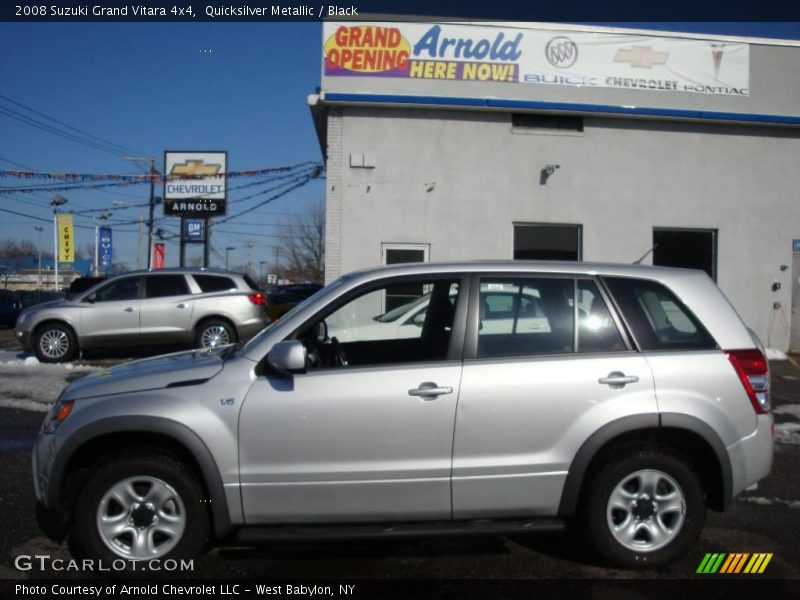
(561, 52)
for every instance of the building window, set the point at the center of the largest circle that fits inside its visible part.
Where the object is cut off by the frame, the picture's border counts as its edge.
(547, 242)
(541, 123)
(686, 248)
(396, 254)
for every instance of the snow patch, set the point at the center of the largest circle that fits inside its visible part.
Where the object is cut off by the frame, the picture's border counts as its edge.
(775, 354)
(792, 410)
(787, 433)
(761, 501)
(27, 384)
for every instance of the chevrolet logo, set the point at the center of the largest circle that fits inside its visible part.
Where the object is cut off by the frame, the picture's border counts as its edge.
(641, 57)
(195, 167)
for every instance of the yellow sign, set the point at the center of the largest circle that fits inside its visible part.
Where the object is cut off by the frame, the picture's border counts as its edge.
(66, 239)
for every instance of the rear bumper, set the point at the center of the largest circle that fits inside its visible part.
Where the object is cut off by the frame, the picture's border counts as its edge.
(751, 456)
(249, 328)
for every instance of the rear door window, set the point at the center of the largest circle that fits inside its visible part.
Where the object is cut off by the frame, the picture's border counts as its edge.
(160, 286)
(597, 331)
(657, 318)
(214, 283)
(526, 317)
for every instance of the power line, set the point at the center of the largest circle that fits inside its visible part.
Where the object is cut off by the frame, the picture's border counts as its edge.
(106, 146)
(55, 131)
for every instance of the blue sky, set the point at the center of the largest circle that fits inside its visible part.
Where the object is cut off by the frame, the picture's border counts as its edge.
(151, 87)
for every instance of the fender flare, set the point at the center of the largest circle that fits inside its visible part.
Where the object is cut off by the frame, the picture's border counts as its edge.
(589, 449)
(150, 424)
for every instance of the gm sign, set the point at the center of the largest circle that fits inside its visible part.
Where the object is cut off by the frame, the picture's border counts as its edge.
(193, 230)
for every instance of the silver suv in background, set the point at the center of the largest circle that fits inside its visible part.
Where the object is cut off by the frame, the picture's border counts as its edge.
(203, 307)
(627, 399)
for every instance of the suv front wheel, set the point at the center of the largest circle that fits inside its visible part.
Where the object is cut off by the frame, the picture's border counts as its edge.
(645, 509)
(144, 508)
(54, 343)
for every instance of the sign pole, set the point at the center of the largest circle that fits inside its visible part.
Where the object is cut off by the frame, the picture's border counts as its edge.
(182, 259)
(206, 240)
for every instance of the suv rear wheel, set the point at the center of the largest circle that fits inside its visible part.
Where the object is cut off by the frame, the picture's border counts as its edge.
(213, 334)
(142, 508)
(645, 508)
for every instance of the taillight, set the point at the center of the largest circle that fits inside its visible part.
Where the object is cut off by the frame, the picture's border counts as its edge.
(257, 298)
(753, 370)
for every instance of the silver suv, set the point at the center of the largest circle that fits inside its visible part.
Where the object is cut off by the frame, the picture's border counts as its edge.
(626, 398)
(206, 307)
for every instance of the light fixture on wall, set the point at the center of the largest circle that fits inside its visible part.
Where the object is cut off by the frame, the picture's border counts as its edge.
(547, 172)
(429, 187)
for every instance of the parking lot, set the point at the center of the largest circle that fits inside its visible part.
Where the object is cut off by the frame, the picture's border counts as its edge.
(764, 520)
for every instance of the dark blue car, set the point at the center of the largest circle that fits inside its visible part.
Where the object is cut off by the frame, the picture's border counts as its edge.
(10, 307)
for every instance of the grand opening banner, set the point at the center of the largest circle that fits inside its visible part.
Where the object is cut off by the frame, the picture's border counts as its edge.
(494, 53)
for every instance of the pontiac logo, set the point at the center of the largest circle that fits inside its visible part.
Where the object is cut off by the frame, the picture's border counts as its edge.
(641, 57)
(561, 52)
(195, 168)
(716, 54)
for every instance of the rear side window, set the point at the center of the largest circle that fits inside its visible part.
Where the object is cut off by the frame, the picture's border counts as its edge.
(214, 283)
(524, 317)
(160, 286)
(658, 319)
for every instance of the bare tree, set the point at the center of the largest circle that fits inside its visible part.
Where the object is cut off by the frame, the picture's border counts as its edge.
(303, 241)
(16, 249)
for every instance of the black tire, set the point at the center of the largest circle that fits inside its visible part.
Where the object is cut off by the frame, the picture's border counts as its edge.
(683, 526)
(47, 343)
(86, 539)
(205, 328)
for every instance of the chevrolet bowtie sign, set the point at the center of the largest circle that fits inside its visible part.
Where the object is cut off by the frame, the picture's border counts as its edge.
(195, 184)
(641, 57)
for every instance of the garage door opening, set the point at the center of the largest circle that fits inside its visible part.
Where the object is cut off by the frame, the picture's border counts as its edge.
(686, 248)
(547, 242)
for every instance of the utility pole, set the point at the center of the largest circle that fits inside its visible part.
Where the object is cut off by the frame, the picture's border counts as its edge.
(152, 176)
(139, 245)
(57, 202)
(249, 245)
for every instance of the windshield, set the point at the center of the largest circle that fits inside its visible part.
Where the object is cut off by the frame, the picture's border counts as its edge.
(313, 298)
(398, 312)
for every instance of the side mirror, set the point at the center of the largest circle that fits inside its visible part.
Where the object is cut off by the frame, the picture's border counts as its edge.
(288, 357)
(91, 298)
(419, 319)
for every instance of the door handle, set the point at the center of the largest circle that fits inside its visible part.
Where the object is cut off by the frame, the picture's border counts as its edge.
(430, 391)
(618, 379)
(182, 305)
(130, 309)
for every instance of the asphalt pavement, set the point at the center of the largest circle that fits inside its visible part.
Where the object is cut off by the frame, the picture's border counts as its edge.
(764, 520)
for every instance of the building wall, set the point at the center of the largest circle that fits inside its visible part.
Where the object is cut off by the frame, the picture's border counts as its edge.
(458, 180)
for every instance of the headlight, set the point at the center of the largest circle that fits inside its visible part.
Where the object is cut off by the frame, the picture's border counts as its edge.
(22, 318)
(60, 411)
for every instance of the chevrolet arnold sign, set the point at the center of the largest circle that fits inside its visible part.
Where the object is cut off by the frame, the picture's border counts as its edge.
(195, 184)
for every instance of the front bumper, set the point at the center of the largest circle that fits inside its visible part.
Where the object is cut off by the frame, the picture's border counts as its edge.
(24, 338)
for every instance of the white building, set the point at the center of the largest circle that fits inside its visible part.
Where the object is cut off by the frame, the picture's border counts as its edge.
(501, 141)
